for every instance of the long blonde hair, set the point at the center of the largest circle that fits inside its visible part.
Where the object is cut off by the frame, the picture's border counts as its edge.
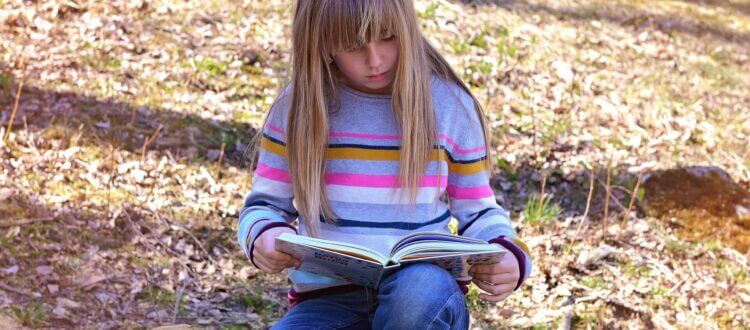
(322, 27)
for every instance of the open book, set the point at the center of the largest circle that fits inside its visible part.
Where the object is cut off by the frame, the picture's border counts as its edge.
(360, 265)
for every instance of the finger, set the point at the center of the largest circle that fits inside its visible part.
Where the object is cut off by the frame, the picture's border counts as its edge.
(504, 278)
(277, 256)
(496, 298)
(491, 269)
(494, 289)
(265, 264)
(292, 263)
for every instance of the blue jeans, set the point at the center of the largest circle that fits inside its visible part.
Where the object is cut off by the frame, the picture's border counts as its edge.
(419, 296)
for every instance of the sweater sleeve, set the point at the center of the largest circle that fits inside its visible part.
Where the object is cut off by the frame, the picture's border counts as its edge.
(472, 200)
(269, 203)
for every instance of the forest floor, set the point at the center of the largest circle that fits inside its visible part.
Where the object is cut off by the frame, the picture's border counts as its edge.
(125, 167)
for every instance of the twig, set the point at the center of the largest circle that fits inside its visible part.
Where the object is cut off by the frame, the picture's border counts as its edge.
(632, 201)
(541, 197)
(132, 116)
(22, 222)
(221, 153)
(16, 291)
(15, 107)
(585, 213)
(221, 157)
(177, 302)
(111, 277)
(613, 200)
(609, 299)
(606, 199)
(198, 242)
(148, 141)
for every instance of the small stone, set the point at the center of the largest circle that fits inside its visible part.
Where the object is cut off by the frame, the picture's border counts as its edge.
(67, 303)
(6, 193)
(160, 314)
(10, 270)
(59, 311)
(213, 155)
(44, 270)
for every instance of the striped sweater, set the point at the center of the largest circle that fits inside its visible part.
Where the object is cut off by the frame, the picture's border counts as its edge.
(361, 176)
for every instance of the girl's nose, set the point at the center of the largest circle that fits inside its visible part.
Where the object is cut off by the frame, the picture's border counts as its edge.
(374, 59)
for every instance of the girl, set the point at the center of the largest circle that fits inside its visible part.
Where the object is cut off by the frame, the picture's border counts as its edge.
(374, 138)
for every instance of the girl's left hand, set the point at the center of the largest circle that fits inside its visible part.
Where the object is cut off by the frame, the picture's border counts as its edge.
(498, 279)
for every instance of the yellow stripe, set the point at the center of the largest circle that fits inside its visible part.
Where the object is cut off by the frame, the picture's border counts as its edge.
(522, 245)
(379, 155)
(274, 147)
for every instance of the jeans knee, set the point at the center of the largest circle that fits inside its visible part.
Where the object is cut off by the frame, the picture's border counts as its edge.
(419, 295)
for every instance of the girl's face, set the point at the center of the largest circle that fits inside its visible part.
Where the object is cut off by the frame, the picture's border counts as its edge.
(370, 68)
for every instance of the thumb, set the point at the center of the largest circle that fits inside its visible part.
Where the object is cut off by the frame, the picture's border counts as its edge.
(293, 263)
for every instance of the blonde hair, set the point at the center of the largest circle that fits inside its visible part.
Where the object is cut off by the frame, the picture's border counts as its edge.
(321, 28)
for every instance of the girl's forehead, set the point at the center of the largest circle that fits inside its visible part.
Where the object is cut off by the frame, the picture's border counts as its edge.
(348, 22)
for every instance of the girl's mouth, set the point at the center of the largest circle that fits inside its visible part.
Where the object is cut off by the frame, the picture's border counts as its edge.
(378, 76)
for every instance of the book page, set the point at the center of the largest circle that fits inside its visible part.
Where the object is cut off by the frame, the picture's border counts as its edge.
(458, 265)
(446, 248)
(332, 264)
(431, 236)
(340, 247)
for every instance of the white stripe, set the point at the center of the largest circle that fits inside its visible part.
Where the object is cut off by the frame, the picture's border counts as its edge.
(273, 188)
(473, 204)
(369, 195)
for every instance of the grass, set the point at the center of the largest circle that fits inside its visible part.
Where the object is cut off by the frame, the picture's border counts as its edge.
(34, 314)
(595, 282)
(472, 298)
(162, 298)
(540, 210)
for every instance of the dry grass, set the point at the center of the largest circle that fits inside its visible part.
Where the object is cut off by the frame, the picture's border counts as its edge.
(135, 115)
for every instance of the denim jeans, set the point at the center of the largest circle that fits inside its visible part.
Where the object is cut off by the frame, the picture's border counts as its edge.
(419, 296)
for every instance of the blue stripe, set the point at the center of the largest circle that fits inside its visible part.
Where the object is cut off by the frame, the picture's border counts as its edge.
(476, 217)
(265, 203)
(393, 225)
(374, 147)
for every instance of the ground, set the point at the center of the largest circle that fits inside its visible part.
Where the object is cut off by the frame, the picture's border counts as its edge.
(123, 166)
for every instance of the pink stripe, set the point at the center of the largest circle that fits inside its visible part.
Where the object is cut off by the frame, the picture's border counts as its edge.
(273, 173)
(274, 128)
(379, 181)
(457, 149)
(365, 136)
(469, 192)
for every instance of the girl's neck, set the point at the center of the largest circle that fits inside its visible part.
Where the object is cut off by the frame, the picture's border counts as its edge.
(383, 91)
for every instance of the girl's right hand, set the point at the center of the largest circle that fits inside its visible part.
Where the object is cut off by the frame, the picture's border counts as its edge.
(267, 257)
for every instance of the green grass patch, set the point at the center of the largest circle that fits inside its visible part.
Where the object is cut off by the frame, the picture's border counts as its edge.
(631, 269)
(472, 298)
(429, 12)
(594, 282)
(209, 66)
(33, 314)
(162, 298)
(541, 210)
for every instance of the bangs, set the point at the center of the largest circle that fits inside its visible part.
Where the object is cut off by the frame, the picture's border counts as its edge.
(349, 24)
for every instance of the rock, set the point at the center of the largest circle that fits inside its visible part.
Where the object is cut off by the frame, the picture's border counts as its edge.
(702, 201)
(707, 188)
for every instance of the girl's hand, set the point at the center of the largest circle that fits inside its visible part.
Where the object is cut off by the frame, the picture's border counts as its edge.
(267, 257)
(498, 279)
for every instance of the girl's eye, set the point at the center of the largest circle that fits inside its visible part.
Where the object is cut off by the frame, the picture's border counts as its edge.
(389, 38)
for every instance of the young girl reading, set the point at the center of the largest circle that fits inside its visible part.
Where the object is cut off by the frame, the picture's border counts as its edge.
(375, 138)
